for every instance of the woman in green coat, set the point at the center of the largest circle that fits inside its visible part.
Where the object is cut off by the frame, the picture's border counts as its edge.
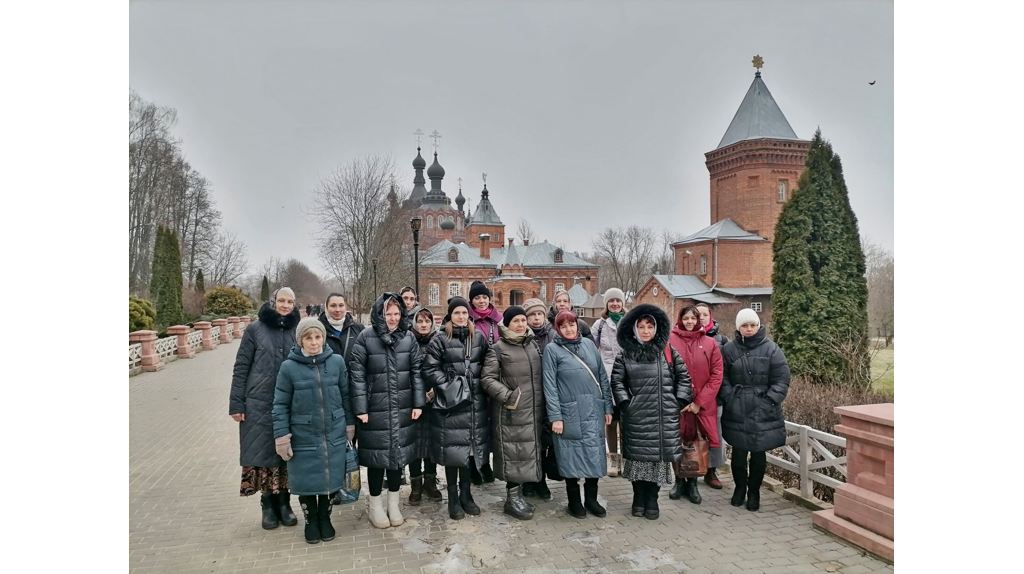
(312, 425)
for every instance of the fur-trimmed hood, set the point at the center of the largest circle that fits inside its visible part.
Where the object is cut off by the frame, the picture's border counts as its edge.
(271, 318)
(380, 326)
(633, 349)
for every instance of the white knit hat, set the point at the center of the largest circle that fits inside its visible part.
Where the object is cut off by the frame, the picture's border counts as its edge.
(614, 293)
(747, 316)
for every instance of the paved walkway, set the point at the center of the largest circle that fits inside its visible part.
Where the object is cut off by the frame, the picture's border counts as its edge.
(185, 515)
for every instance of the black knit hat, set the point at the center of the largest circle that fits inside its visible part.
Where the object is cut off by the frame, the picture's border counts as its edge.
(453, 303)
(478, 288)
(511, 313)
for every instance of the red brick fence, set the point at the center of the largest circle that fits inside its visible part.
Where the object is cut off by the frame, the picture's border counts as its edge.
(147, 353)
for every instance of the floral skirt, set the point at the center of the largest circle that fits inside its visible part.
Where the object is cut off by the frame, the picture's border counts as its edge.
(657, 472)
(263, 479)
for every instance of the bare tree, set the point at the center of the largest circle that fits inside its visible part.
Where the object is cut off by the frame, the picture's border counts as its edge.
(307, 285)
(665, 263)
(525, 231)
(881, 276)
(357, 209)
(626, 256)
(229, 262)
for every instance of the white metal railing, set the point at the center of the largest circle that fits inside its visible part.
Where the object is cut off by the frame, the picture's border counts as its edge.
(195, 340)
(810, 456)
(215, 335)
(231, 329)
(134, 356)
(167, 347)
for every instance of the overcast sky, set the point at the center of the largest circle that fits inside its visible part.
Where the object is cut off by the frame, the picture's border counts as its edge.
(583, 114)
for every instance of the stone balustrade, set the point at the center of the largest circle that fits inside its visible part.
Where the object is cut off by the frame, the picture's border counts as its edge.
(182, 342)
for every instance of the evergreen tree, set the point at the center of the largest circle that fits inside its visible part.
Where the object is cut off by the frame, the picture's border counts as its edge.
(200, 282)
(166, 285)
(265, 290)
(820, 294)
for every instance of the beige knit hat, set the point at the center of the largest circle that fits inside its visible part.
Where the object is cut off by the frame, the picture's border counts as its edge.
(307, 323)
(533, 305)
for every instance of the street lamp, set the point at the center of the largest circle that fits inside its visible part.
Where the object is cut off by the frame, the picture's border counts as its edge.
(415, 224)
(375, 292)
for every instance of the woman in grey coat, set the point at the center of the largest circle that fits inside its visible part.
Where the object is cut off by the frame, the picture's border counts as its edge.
(512, 377)
(579, 406)
(265, 345)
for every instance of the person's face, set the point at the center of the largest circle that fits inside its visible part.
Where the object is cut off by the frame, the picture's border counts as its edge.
(690, 321)
(460, 317)
(561, 302)
(645, 329)
(480, 302)
(392, 315)
(536, 319)
(284, 304)
(518, 324)
(568, 330)
(424, 323)
(336, 308)
(615, 306)
(313, 342)
(705, 316)
(410, 299)
(748, 329)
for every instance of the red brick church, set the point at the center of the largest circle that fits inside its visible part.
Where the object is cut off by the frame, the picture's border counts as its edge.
(753, 172)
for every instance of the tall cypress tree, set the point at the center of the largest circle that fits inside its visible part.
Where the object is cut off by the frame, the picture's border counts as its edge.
(265, 290)
(200, 282)
(820, 294)
(174, 308)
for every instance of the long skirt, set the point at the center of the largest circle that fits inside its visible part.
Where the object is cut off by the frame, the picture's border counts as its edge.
(263, 479)
(658, 472)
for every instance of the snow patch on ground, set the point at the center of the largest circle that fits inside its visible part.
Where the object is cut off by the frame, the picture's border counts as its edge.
(647, 558)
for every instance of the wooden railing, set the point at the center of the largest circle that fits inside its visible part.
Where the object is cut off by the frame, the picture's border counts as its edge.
(806, 455)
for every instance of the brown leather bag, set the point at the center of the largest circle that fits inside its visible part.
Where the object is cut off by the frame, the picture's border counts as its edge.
(695, 454)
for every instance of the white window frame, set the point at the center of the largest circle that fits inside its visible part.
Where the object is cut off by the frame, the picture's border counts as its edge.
(454, 289)
(783, 190)
(434, 297)
(430, 222)
(703, 264)
(559, 287)
(755, 306)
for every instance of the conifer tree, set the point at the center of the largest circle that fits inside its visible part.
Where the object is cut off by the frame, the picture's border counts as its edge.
(200, 282)
(265, 290)
(820, 295)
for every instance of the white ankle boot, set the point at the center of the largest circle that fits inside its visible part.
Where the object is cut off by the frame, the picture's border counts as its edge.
(378, 517)
(394, 512)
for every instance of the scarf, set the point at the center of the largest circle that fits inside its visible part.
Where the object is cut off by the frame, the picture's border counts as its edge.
(615, 317)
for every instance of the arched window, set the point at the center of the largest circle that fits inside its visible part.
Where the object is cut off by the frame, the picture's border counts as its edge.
(559, 256)
(453, 255)
(430, 222)
(434, 296)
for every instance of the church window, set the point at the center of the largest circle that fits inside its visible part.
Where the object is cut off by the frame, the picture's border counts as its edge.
(430, 222)
(433, 299)
(559, 256)
(453, 255)
(783, 184)
(559, 287)
(703, 264)
(497, 238)
(756, 306)
(454, 289)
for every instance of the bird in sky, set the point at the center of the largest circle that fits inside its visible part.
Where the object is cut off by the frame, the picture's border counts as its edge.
(871, 83)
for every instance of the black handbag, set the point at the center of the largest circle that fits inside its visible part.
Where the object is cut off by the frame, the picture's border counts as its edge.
(455, 391)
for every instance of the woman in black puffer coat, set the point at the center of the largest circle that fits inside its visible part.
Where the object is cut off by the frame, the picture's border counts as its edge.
(650, 391)
(754, 384)
(422, 469)
(459, 438)
(387, 396)
(265, 345)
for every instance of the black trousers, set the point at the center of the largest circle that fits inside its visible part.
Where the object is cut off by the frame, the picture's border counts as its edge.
(375, 478)
(420, 466)
(755, 476)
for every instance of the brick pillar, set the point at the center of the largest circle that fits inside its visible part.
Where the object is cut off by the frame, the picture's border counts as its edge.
(245, 323)
(150, 359)
(184, 350)
(225, 337)
(236, 327)
(864, 507)
(206, 327)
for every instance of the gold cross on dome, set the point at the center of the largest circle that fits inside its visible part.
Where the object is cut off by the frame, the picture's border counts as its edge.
(758, 62)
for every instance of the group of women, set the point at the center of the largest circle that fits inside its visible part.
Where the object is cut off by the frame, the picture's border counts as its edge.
(549, 397)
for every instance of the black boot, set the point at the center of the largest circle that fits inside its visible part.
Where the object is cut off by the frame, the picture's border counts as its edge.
(455, 511)
(323, 512)
(474, 475)
(542, 490)
(757, 468)
(487, 475)
(430, 487)
(753, 499)
(284, 508)
(739, 476)
(691, 491)
(515, 506)
(528, 490)
(466, 499)
(678, 489)
(270, 519)
(572, 491)
(590, 499)
(417, 491)
(312, 518)
(651, 512)
(639, 500)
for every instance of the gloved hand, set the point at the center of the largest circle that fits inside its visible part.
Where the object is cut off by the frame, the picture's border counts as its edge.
(350, 432)
(283, 445)
(513, 400)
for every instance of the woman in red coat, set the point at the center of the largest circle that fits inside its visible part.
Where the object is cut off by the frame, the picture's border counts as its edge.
(704, 362)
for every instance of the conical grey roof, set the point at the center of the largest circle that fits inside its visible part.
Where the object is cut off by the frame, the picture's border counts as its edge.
(758, 117)
(485, 214)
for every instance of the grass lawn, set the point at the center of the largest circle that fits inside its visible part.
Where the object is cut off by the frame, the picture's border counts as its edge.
(882, 368)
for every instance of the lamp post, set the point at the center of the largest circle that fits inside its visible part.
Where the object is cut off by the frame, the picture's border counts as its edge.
(376, 293)
(415, 224)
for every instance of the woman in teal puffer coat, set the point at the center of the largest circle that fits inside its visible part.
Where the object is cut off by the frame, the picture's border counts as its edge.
(312, 425)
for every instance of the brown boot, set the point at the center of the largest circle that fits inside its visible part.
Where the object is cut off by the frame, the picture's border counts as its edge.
(430, 487)
(711, 478)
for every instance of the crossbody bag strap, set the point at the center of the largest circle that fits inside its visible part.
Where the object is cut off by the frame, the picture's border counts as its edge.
(587, 367)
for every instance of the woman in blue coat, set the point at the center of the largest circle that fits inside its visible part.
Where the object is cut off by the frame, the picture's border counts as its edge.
(312, 425)
(579, 407)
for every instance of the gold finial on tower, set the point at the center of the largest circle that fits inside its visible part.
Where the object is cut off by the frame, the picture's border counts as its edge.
(758, 62)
